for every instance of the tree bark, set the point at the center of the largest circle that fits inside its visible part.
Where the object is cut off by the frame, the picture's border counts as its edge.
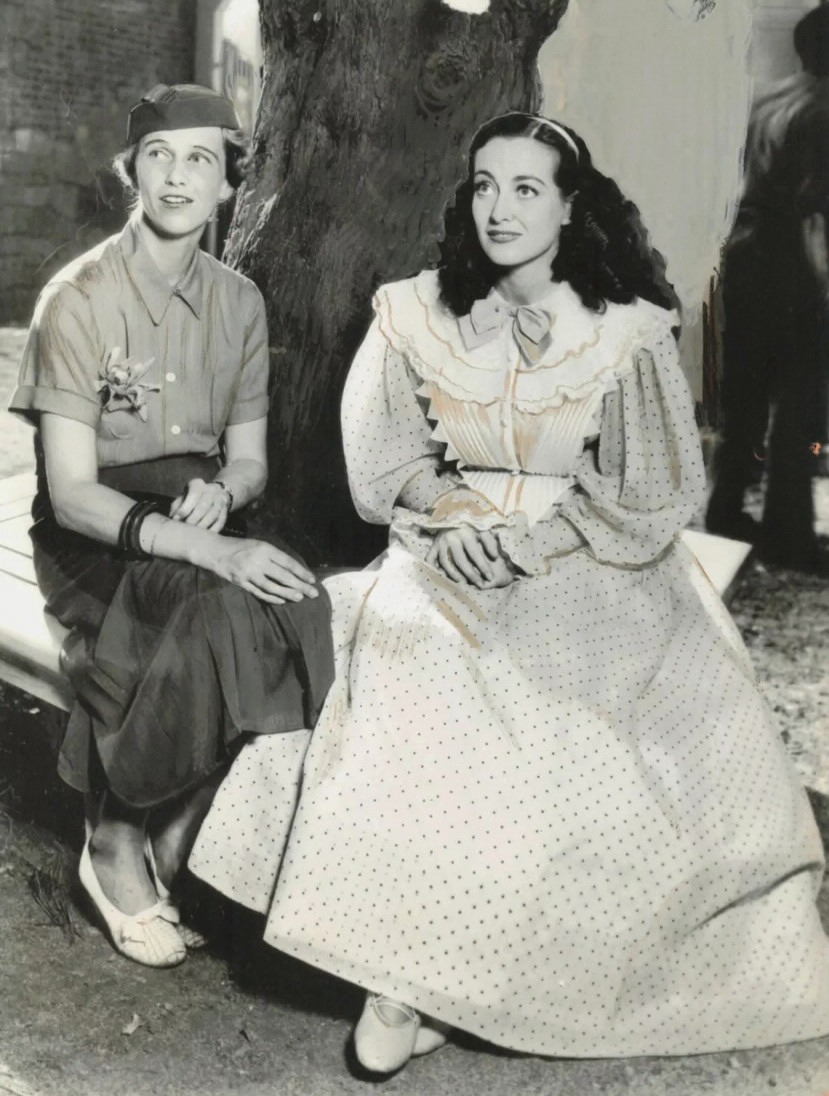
(366, 111)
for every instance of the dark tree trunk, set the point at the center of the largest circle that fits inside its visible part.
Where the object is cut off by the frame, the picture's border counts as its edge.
(366, 111)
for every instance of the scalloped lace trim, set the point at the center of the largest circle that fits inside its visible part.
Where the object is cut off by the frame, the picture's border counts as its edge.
(480, 378)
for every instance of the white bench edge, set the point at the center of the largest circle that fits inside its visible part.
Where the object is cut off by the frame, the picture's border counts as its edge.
(31, 638)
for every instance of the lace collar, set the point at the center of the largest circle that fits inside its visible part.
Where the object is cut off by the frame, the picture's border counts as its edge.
(586, 350)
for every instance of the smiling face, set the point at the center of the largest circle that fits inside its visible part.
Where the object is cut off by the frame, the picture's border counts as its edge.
(181, 179)
(517, 206)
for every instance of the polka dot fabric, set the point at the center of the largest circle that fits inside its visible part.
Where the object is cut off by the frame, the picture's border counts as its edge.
(556, 814)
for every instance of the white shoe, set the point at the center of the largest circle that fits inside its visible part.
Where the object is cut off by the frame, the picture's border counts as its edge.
(431, 1035)
(149, 937)
(385, 1035)
(191, 937)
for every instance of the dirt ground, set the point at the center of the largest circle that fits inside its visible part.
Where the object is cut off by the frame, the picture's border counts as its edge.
(784, 620)
(241, 1020)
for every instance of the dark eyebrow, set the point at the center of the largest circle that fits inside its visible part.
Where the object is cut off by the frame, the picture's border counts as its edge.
(516, 178)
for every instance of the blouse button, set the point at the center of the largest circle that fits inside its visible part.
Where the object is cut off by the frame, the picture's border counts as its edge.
(170, 376)
(175, 429)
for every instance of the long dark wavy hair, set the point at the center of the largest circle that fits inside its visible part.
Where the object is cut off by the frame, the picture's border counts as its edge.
(604, 252)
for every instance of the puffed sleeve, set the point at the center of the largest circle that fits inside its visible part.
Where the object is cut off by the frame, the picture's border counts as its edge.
(639, 489)
(390, 455)
(250, 400)
(61, 359)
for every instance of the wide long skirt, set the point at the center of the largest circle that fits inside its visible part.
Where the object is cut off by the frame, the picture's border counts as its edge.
(555, 815)
(170, 664)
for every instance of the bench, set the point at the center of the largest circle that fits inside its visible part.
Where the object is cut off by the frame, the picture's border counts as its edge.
(31, 638)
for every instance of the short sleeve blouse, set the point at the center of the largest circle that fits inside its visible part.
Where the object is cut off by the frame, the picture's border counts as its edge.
(182, 362)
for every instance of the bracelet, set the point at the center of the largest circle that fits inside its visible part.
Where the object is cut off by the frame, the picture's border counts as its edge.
(128, 534)
(227, 491)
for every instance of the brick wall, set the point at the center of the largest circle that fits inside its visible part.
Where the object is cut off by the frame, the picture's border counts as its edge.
(69, 70)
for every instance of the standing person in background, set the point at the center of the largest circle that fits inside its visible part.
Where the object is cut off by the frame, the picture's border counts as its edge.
(146, 376)
(774, 284)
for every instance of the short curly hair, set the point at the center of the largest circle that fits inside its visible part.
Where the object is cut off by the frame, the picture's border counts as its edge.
(237, 158)
(603, 253)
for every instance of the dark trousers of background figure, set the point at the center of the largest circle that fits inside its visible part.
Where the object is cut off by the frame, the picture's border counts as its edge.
(774, 392)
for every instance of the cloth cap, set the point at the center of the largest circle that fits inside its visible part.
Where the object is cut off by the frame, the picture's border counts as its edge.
(811, 40)
(179, 106)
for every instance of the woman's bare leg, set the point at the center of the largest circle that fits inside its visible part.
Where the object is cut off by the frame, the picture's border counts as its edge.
(173, 829)
(116, 849)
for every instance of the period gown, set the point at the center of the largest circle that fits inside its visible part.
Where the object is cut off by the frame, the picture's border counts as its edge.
(555, 814)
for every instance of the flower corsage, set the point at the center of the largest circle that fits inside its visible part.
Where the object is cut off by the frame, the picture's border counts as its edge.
(121, 387)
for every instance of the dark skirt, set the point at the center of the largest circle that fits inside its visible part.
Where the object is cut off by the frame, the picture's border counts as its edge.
(171, 665)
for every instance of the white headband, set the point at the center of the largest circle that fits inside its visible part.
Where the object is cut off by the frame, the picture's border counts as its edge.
(560, 130)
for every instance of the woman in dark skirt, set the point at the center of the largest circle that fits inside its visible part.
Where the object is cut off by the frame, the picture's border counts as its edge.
(146, 375)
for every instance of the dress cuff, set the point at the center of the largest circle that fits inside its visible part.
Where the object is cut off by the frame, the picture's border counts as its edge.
(422, 490)
(533, 550)
(457, 505)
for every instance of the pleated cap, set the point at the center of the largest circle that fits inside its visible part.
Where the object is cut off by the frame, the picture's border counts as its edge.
(179, 106)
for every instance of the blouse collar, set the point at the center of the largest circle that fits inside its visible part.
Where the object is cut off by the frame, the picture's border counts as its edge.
(587, 349)
(558, 324)
(151, 285)
(532, 323)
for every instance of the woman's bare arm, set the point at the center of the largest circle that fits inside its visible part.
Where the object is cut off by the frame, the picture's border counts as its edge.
(86, 506)
(245, 475)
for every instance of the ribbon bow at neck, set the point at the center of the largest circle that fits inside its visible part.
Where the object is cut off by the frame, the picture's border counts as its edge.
(530, 326)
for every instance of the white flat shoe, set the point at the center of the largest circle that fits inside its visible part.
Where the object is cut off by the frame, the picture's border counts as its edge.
(385, 1035)
(191, 937)
(431, 1035)
(149, 937)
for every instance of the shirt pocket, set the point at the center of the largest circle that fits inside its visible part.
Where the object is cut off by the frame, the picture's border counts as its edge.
(129, 392)
(119, 425)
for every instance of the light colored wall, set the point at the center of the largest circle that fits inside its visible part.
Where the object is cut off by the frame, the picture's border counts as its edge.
(662, 102)
(772, 54)
(234, 24)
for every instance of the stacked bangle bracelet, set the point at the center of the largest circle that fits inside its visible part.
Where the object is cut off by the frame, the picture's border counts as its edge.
(129, 534)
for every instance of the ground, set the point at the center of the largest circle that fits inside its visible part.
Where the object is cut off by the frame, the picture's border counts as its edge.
(240, 1020)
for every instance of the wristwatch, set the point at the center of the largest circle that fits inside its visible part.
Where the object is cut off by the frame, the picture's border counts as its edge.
(227, 491)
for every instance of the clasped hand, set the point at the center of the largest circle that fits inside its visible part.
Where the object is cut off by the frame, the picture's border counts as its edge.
(470, 555)
(205, 505)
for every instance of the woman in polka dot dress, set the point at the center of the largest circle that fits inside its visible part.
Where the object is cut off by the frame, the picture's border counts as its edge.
(544, 803)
